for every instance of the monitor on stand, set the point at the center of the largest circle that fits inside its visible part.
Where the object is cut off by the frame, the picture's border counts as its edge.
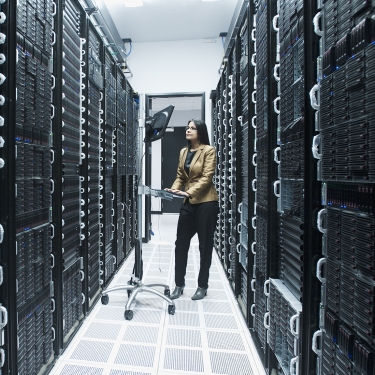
(155, 127)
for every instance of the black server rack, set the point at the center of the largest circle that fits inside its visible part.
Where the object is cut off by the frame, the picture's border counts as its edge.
(277, 241)
(121, 164)
(33, 186)
(68, 209)
(52, 92)
(108, 186)
(93, 89)
(342, 98)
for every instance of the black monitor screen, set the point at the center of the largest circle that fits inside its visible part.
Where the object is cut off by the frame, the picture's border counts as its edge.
(156, 125)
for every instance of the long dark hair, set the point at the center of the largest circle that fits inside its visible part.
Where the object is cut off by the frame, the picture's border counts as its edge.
(202, 132)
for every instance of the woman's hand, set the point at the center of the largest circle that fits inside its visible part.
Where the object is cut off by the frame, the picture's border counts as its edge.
(175, 191)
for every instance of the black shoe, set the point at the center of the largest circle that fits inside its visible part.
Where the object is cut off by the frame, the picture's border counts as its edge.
(178, 290)
(199, 294)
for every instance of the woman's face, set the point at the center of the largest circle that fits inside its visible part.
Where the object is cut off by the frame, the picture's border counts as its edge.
(191, 132)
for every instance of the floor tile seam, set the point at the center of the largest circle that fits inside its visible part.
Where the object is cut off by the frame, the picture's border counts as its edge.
(111, 366)
(140, 308)
(118, 340)
(131, 323)
(219, 329)
(240, 319)
(114, 352)
(200, 348)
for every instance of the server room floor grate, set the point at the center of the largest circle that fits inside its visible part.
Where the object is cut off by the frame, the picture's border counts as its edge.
(203, 337)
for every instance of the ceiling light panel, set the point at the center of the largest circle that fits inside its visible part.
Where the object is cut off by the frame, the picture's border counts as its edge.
(133, 3)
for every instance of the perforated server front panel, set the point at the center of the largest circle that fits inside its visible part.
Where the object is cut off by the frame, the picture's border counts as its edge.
(343, 100)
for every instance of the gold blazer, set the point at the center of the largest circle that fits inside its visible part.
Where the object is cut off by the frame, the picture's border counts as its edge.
(198, 184)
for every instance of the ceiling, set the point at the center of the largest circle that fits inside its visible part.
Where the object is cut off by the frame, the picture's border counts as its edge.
(182, 103)
(167, 20)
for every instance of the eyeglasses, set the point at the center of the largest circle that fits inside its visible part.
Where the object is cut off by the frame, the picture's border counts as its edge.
(190, 128)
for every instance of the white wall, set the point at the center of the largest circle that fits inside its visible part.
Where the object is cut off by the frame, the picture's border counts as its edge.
(176, 66)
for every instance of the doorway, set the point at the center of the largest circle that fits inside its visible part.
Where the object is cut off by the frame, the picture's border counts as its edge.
(165, 152)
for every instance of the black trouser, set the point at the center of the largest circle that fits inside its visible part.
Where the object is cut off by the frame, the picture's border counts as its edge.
(195, 218)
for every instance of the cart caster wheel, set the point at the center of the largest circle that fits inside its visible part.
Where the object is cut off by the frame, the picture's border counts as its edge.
(105, 299)
(167, 292)
(171, 309)
(128, 314)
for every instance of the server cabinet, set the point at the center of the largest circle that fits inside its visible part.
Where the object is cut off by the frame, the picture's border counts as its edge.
(51, 91)
(29, 92)
(108, 243)
(277, 241)
(264, 218)
(342, 98)
(93, 95)
(68, 211)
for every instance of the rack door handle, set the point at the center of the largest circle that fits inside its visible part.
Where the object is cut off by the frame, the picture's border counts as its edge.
(253, 161)
(253, 248)
(294, 319)
(238, 248)
(252, 285)
(314, 346)
(54, 38)
(253, 184)
(275, 155)
(319, 266)
(252, 308)
(53, 260)
(2, 357)
(275, 103)
(253, 37)
(275, 22)
(239, 228)
(266, 290)
(275, 75)
(319, 221)
(53, 334)
(253, 57)
(266, 321)
(253, 122)
(253, 98)
(294, 364)
(315, 146)
(253, 222)
(240, 208)
(52, 231)
(276, 187)
(313, 98)
(317, 29)
(4, 317)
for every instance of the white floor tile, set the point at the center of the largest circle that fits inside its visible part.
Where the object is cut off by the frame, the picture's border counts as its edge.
(202, 337)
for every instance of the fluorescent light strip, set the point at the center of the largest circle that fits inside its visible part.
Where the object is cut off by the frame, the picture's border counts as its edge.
(133, 3)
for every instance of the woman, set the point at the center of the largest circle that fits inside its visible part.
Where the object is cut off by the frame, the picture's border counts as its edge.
(200, 208)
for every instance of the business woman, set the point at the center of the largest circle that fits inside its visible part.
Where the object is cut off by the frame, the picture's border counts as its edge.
(198, 213)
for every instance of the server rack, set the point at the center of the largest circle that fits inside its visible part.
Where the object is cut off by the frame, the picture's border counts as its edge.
(278, 242)
(31, 142)
(344, 125)
(51, 89)
(68, 220)
(108, 260)
(93, 89)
